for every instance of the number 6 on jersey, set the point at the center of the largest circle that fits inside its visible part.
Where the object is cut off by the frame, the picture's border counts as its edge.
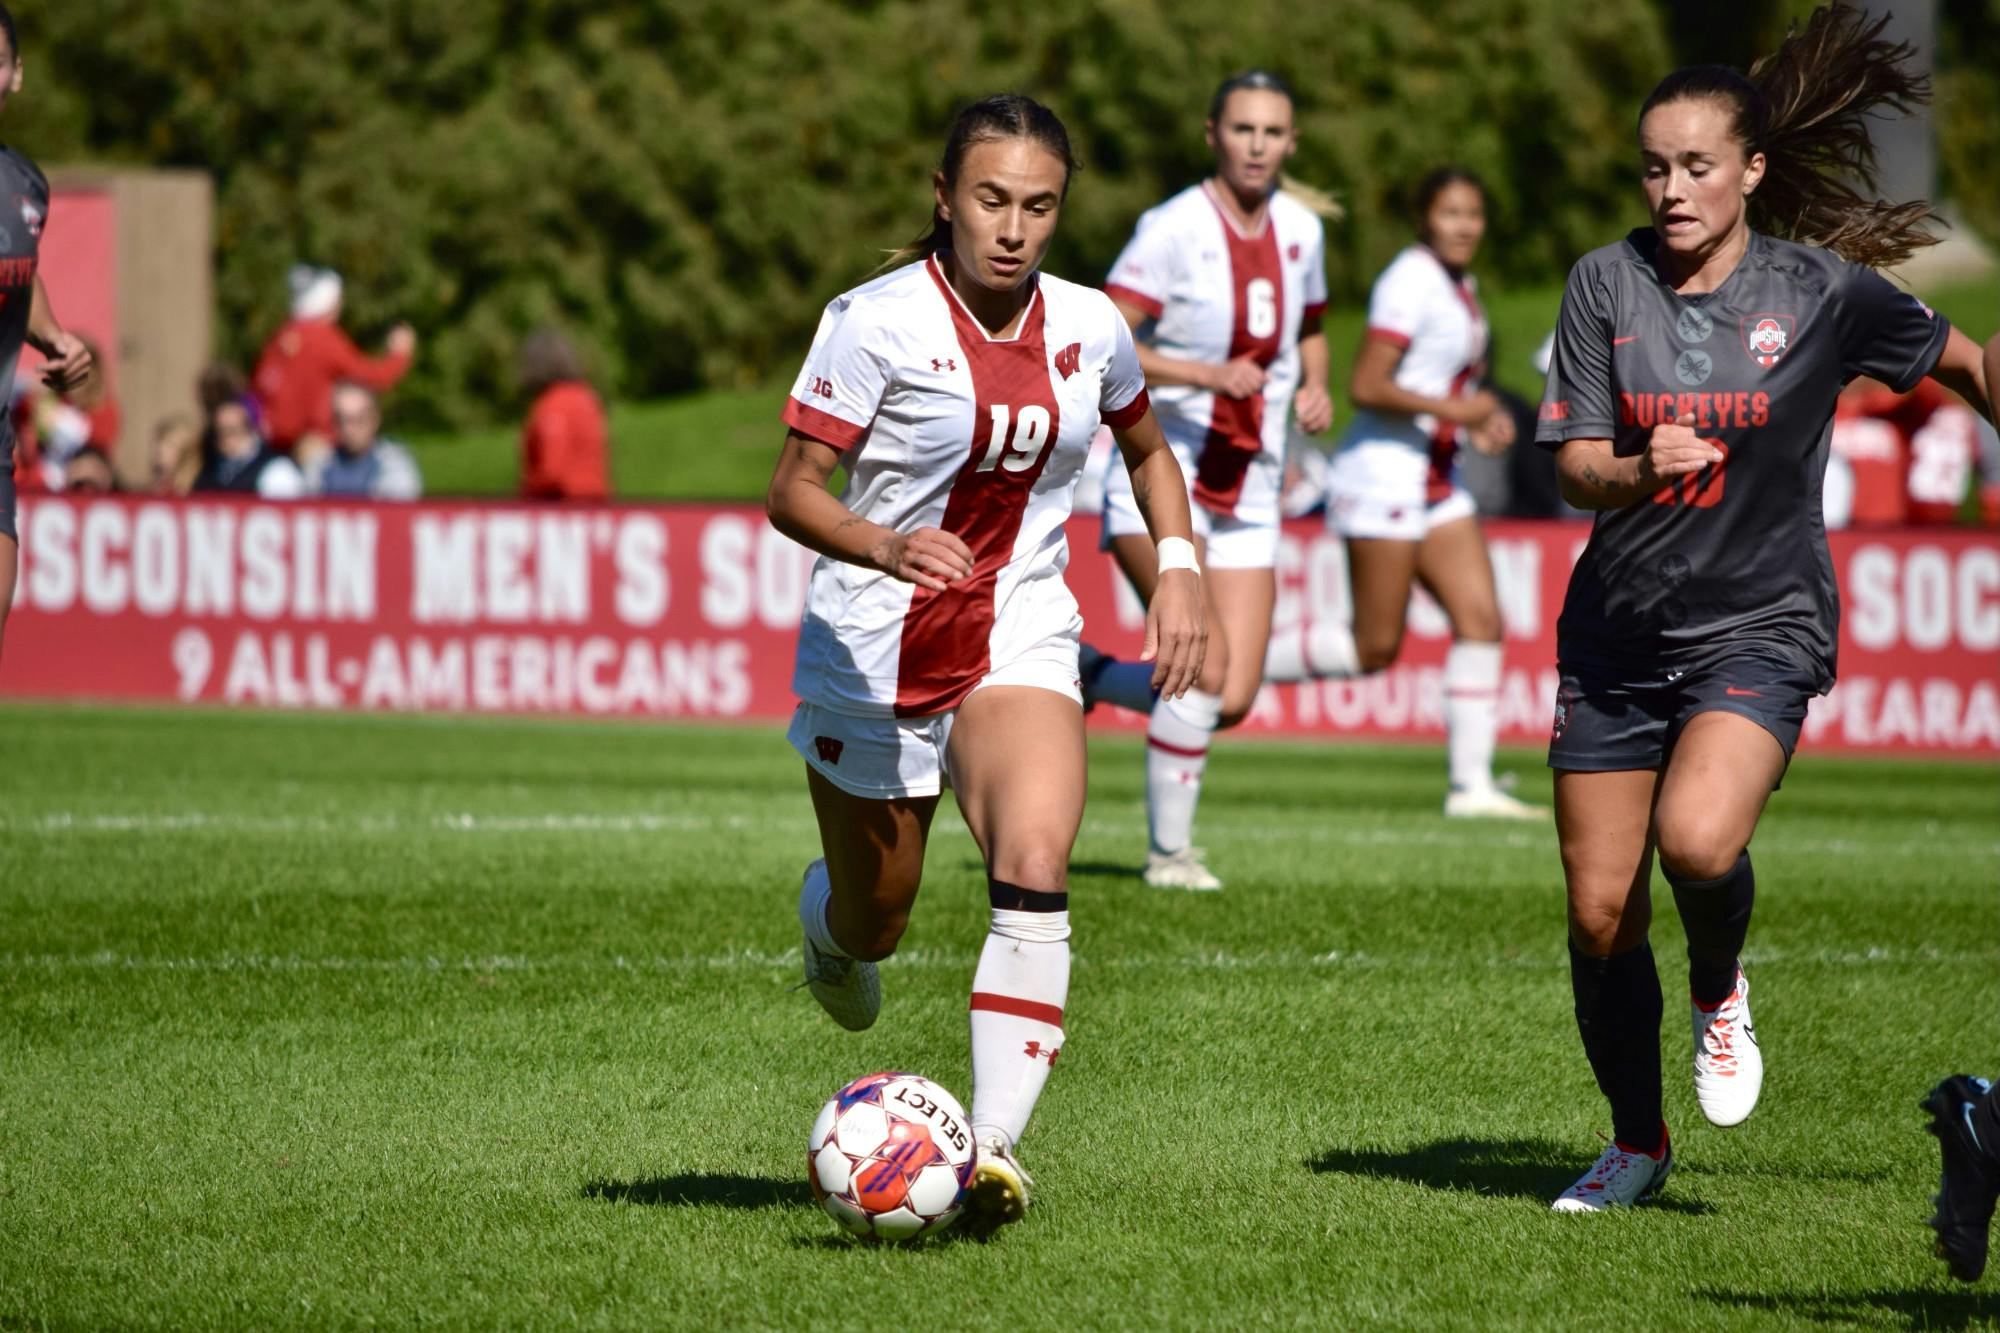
(1030, 435)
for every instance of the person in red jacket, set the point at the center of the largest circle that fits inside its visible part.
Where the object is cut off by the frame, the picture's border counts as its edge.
(303, 361)
(565, 446)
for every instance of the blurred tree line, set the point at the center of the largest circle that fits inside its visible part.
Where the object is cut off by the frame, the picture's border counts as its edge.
(683, 183)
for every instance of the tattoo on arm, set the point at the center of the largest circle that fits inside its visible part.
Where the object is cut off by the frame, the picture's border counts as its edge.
(1590, 475)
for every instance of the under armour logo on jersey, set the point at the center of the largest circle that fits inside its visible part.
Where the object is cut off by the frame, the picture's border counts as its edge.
(1036, 1051)
(1069, 358)
(943, 365)
(1292, 252)
(829, 749)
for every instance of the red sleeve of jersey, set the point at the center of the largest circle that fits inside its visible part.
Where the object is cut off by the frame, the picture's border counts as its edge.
(825, 427)
(349, 362)
(1390, 336)
(1138, 299)
(1126, 417)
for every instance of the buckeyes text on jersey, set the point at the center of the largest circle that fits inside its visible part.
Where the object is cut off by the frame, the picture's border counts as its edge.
(1735, 554)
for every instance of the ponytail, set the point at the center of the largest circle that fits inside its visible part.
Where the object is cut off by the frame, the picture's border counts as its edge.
(1806, 108)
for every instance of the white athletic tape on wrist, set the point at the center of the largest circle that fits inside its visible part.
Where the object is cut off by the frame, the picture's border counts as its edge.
(1177, 553)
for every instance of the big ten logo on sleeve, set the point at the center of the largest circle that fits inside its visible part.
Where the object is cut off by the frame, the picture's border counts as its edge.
(822, 387)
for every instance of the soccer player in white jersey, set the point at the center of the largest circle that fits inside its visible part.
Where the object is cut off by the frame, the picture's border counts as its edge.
(939, 645)
(1225, 282)
(1393, 492)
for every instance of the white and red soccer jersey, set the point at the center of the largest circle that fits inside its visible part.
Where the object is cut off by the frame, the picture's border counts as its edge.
(1216, 294)
(943, 426)
(1438, 322)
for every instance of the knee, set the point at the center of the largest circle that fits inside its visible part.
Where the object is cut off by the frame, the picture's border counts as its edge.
(1598, 929)
(1477, 624)
(1377, 652)
(1698, 844)
(1236, 706)
(1214, 667)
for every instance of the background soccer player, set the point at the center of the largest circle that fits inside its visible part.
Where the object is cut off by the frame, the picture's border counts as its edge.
(1230, 275)
(1690, 400)
(25, 313)
(940, 641)
(1393, 492)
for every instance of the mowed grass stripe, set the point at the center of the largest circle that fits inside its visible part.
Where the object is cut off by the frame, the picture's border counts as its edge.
(469, 1023)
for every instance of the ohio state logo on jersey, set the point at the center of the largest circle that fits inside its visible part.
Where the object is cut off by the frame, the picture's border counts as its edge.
(1765, 337)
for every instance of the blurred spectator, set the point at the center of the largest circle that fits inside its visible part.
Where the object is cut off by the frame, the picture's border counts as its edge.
(310, 354)
(1902, 458)
(89, 473)
(362, 465)
(237, 459)
(176, 457)
(51, 429)
(564, 446)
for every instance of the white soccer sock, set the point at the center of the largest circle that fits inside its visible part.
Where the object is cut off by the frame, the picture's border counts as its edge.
(1471, 713)
(1017, 1015)
(1177, 740)
(815, 896)
(1323, 650)
(1127, 684)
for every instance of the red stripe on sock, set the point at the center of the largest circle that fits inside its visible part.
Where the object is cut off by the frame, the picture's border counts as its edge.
(1182, 751)
(1008, 1004)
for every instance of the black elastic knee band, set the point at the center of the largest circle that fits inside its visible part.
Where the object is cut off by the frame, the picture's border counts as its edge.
(1013, 898)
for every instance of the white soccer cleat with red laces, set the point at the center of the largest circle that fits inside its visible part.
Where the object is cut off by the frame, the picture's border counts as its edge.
(1728, 1067)
(1619, 1180)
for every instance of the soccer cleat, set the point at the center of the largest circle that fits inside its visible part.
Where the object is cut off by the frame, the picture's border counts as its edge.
(1971, 1179)
(1619, 1180)
(1490, 803)
(1728, 1067)
(1180, 870)
(999, 1192)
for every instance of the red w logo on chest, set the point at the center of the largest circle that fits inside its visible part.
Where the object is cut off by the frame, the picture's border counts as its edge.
(1069, 359)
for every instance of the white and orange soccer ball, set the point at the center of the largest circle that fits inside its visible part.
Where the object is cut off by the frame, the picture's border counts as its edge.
(890, 1157)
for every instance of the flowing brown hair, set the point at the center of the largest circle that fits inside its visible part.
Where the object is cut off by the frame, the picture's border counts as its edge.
(1806, 107)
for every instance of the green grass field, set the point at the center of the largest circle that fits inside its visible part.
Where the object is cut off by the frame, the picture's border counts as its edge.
(327, 1022)
(721, 445)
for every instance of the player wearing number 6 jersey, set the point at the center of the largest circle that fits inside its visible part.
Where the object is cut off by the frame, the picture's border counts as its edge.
(1228, 278)
(939, 645)
(1690, 402)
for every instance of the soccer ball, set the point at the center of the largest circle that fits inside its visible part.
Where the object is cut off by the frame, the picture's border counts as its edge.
(890, 1157)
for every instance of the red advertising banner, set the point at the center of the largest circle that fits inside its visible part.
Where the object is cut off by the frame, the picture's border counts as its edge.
(691, 612)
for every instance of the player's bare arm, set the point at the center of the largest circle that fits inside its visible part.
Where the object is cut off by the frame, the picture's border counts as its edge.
(1963, 369)
(1592, 477)
(1373, 387)
(1232, 379)
(1312, 408)
(1176, 629)
(69, 362)
(801, 507)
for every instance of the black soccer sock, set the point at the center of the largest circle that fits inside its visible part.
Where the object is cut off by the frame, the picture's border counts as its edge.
(1618, 1014)
(1715, 913)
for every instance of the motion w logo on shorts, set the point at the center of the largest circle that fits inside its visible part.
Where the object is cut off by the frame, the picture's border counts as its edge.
(829, 749)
